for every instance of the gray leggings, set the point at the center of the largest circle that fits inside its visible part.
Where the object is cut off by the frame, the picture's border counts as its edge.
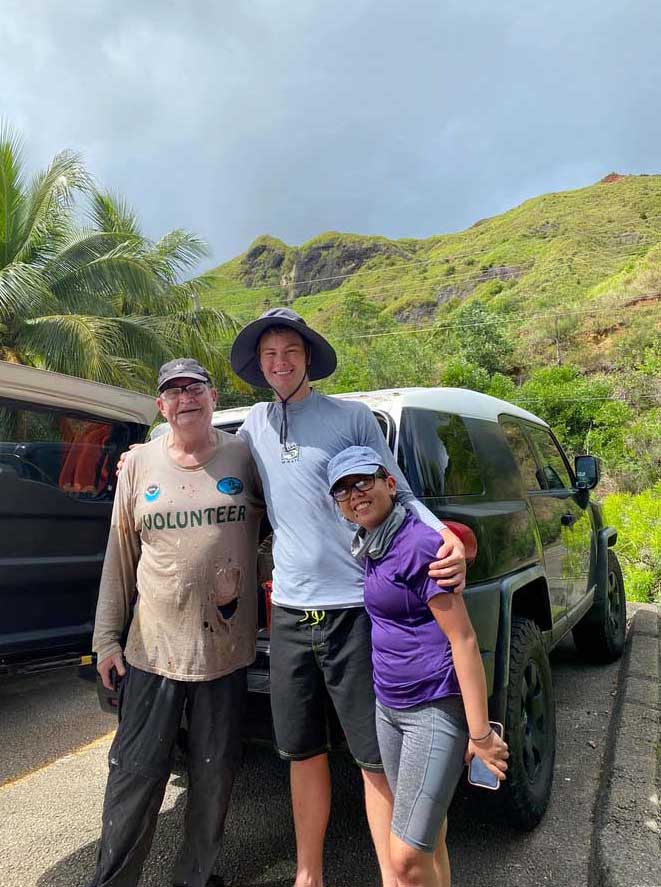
(422, 749)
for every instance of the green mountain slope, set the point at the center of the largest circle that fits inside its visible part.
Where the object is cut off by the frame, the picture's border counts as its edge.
(553, 305)
(566, 254)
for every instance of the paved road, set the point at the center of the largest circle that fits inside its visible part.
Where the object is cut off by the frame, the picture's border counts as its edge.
(53, 746)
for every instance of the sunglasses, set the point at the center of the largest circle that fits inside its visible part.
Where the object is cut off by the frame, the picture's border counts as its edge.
(196, 389)
(342, 490)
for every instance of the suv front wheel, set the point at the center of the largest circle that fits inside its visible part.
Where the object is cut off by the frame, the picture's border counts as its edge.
(530, 727)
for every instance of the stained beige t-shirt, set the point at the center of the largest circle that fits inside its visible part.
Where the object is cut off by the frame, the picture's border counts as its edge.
(185, 541)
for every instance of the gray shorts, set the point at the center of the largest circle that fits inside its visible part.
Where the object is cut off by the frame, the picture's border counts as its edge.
(422, 749)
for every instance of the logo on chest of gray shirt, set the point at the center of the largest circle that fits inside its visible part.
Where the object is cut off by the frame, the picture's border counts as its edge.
(289, 453)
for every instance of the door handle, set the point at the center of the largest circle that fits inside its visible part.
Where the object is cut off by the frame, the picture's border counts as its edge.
(568, 520)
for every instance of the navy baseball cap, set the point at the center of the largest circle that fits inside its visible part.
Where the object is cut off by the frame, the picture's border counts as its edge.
(182, 367)
(353, 460)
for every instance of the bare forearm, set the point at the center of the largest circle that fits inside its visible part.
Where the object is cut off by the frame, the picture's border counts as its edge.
(473, 685)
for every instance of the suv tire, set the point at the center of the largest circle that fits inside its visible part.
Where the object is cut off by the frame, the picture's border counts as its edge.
(530, 732)
(600, 635)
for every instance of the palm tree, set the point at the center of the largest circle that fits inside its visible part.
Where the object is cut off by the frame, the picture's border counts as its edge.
(99, 300)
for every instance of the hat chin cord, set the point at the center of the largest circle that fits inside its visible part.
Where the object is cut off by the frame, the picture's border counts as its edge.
(284, 425)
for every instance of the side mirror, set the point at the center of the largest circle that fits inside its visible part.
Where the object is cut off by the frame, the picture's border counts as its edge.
(587, 472)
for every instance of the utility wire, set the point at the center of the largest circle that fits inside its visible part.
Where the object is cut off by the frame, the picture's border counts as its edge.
(407, 263)
(448, 260)
(243, 299)
(614, 307)
(524, 398)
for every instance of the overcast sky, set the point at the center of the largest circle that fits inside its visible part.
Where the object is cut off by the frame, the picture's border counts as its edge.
(240, 117)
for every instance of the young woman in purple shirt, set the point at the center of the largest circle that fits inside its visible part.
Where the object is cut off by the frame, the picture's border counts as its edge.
(428, 676)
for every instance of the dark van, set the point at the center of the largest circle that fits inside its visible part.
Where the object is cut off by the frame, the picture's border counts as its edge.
(60, 438)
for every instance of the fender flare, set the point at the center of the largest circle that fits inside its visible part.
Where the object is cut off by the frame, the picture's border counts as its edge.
(606, 538)
(508, 588)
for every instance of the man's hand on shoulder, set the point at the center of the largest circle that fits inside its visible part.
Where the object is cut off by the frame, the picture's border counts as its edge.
(450, 568)
(105, 667)
(124, 456)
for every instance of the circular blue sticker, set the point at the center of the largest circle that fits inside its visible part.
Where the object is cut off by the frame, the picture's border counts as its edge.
(152, 492)
(231, 486)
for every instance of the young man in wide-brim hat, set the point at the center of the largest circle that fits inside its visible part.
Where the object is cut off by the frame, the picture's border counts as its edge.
(320, 634)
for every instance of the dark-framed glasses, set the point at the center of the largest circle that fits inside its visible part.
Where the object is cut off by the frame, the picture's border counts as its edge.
(195, 389)
(342, 490)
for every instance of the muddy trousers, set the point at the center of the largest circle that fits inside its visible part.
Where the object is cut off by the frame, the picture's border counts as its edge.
(150, 711)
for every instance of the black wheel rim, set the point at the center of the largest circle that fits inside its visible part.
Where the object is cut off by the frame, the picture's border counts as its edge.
(614, 600)
(534, 719)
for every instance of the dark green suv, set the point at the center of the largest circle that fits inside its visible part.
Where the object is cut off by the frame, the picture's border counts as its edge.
(544, 566)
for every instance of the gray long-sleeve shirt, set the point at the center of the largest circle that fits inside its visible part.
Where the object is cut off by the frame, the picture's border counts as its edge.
(314, 568)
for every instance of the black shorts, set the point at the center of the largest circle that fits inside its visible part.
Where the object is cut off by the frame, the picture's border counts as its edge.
(313, 649)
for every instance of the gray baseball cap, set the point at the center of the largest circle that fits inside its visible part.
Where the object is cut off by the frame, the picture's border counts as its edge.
(245, 362)
(353, 460)
(182, 367)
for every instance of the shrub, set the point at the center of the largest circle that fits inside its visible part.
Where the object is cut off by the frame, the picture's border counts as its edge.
(637, 519)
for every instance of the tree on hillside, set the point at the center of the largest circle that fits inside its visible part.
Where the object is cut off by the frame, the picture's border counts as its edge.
(374, 351)
(101, 300)
(481, 337)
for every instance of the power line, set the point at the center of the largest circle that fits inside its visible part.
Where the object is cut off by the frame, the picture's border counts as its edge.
(240, 298)
(523, 398)
(407, 263)
(496, 321)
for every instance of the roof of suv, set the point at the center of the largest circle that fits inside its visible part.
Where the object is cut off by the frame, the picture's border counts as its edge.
(24, 383)
(448, 400)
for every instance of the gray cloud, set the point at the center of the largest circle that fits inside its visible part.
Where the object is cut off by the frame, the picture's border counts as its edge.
(406, 119)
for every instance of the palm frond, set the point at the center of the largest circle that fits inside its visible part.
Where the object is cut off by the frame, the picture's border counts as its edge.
(23, 292)
(71, 343)
(11, 192)
(115, 272)
(140, 339)
(205, 335)
(48, 205)
(177, 251)
(111, 213)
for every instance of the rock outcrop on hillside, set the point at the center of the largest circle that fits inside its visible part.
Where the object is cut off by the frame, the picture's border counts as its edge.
(321, 264)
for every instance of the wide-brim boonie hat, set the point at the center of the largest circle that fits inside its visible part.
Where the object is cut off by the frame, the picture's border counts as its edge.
(243, 357)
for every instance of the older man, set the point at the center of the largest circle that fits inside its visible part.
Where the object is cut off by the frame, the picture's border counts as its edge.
(182, 550)
(320, 634)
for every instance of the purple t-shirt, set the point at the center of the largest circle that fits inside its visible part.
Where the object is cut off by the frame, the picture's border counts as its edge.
(411, 657)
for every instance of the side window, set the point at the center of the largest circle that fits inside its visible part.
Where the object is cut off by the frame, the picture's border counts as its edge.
(76, 455)
(554, 469)
(523, 454)
(436, 454)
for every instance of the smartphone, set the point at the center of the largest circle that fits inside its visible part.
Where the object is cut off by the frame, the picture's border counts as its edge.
(478, 772)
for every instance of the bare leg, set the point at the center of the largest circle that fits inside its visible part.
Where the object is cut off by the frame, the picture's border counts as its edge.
(413, 868)
(310, 795)
(441, 858)
(378, 806)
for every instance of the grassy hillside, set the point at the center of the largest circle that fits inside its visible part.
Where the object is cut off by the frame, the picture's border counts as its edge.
(589, 256)
(567, 279)
(553, 305)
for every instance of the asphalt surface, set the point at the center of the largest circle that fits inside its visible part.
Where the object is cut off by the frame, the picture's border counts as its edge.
(628, 823)
(53, 747)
